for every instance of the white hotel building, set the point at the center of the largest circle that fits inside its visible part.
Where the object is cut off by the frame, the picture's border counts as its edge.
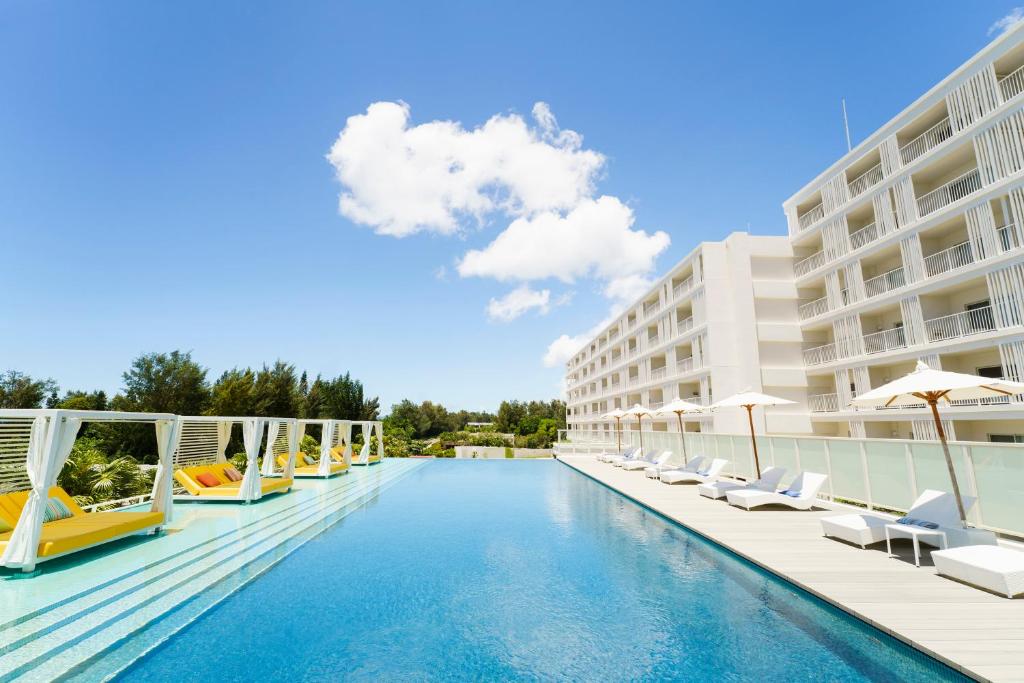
(909, 247)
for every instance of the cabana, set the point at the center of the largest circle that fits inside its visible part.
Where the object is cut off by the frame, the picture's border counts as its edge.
(335, 451)
(202, 469)
(369, 430)
(41, 520)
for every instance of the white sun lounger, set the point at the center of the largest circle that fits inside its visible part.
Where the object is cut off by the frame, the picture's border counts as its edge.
(637, 455)
(800, 495)
(770, 479)
(995, 568)
(863, 529)
(659, 459)
(699, 476)
(654, 471)
(607, 457)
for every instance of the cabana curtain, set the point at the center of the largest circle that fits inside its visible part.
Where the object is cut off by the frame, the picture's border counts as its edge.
(223, 438)
(168, 435)
(295, 433)
(273, 428)
(50, 443)
(326, 443)
(364, 452)
(378, 427)
(252, 432)
(346, 438)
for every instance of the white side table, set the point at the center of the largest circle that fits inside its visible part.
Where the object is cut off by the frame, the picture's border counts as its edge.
(915, 533)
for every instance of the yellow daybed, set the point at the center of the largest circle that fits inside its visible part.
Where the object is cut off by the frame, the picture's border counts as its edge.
(337, 467)
(226, 489)
(80, 531)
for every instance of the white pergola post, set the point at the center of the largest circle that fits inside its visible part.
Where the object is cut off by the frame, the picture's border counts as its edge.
(252, 432)
(346, 437)
(326, 443)
(273, 429)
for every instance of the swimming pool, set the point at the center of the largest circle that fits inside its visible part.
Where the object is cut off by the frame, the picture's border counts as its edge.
(495, 570)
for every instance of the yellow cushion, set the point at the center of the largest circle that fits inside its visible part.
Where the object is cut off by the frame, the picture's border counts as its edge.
(312, 470)
(86, 530)
(12, 503)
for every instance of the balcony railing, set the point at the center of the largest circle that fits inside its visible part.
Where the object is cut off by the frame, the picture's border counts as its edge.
(812, 262)
(931, 138)
(866, 235)
(1007, 238)
(954, 190)
(652, 307)
(659, 373)
(823, 403)
(865, 180)
(813, 308)
(820, 354)
(684, 325)
(811, 217)
(886, 282)
(957, 325)
(684, 365)
(886, 340)
(652, 340)
(954, 258)
(633, 351)
(1012, 84)
(683, 287)
(654, 405)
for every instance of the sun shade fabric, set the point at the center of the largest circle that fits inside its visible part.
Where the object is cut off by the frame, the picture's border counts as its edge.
(168, 436)
(49, 446)
(252, 433)
(273, 427)
(378, 428)
(326, 442)
(923, 380)
(364, 452)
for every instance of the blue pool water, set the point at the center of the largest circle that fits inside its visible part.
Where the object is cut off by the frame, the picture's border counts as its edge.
(495, 570)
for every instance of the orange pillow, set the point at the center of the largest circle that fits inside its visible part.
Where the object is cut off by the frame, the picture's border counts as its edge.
(208, 480)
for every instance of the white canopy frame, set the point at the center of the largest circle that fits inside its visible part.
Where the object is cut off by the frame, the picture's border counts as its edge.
(370, 429)
(333, 433)
(204, 439)
(51, 438)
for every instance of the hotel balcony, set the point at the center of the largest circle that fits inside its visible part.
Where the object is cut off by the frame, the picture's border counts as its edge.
(811, 216)
(659, 372)
(886, 282)
(813, 308)
(684, 365)
(819, 355)
(931, 138)
(885, 340)
(957, 325)
(823, 403)
(864, 174)
(951, 191)
(809, 263)
(1012, 84)
(681, 288)
(651, 307)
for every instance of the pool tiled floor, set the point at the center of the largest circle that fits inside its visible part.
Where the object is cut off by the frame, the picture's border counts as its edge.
(89, 616)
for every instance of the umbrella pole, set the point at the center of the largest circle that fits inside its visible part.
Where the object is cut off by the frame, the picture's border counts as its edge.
(753, 441)
(682, 436)
(640, 433)
(618, 432)
(934, 403)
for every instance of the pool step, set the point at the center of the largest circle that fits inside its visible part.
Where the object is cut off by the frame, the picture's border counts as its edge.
(77, 634)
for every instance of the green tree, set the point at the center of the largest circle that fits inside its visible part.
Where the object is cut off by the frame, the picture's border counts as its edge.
(18, 390)
(166, 383)
(232, 393)
(510, 413)
(275, 392)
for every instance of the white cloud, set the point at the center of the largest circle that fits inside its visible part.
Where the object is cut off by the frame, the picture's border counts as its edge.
(401, 179)
(517, 302)
(594, 239)
(562, 349)
(1015, 17)
(628, 288)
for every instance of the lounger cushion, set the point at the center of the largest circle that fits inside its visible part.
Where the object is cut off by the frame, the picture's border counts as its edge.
(232, 474)
(83, 531)
(993, 567)
(207, 479)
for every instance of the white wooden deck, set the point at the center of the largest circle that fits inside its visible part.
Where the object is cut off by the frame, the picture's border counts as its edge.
(973, 631)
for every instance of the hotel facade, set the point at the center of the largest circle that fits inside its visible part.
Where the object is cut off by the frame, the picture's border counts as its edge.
(908, 248)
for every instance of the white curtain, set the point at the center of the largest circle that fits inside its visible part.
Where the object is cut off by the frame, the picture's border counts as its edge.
(379, 428)
(295, 432)
(223, 437)
(326, 442)
(168, 435)
(346, 438)
(273, 428)
(49, 445)
(252, 431)
(364, 452)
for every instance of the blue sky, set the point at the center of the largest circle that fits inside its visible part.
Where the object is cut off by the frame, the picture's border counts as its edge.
(164, 181)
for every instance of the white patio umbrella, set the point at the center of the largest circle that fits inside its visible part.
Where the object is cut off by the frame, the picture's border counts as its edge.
(925, 386)
(749, 399)
(639, 412)
(679, 406)
(617, 414)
